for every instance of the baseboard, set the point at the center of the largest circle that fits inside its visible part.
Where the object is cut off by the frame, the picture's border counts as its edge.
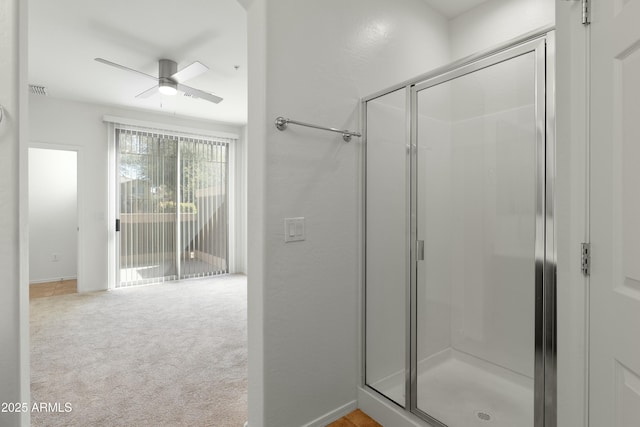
(334, 415)
(55, 279)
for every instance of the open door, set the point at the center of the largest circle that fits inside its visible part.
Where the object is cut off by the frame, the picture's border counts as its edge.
(614, 389)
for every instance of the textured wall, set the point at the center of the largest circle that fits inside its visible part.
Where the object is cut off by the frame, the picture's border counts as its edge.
(496, 22)
(321, 57)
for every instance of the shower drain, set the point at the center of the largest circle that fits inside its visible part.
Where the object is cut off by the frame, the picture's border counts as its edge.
(483, 416)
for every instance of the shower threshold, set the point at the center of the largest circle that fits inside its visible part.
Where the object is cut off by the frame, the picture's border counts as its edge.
(461, 390)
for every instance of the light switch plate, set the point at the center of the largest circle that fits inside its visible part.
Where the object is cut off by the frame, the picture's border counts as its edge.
(294, 229)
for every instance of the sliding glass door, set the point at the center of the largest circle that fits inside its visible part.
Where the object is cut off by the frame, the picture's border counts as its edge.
(173, 207)
(203, 200)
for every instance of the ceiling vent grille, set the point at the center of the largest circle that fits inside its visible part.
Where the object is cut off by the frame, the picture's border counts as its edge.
(38, 90)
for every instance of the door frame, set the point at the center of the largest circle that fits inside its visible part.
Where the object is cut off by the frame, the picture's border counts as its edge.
(114, 122)
(572, 216)
(80, 209)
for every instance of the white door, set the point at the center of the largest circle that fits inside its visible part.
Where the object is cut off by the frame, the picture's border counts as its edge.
(614, 392)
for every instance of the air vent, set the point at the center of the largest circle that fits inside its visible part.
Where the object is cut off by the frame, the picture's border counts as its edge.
(38, 90)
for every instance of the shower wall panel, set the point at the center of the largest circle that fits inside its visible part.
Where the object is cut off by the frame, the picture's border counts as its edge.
(493, 202)
(470, 135)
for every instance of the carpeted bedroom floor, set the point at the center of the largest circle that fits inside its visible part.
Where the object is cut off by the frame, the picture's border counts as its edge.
(173, 354)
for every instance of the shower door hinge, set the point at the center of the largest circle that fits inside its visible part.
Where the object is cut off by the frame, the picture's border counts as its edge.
(586, 12)
(585, 258)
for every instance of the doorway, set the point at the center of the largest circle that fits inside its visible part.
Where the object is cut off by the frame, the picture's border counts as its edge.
(53, 222)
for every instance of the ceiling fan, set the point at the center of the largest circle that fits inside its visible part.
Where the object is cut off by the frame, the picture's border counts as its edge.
(170, 80)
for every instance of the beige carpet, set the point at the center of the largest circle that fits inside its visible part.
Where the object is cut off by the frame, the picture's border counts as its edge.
(164, 355)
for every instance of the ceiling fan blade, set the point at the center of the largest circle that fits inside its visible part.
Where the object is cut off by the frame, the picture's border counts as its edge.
(122, 67)
(197, 93)
(189, 72)
(149, 92)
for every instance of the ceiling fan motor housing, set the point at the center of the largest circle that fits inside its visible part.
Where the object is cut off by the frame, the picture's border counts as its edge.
(167, 68)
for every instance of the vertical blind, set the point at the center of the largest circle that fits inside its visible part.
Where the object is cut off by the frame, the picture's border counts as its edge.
(173, 197)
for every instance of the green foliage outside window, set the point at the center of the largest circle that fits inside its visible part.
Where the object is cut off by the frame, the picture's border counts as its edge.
(185, 207)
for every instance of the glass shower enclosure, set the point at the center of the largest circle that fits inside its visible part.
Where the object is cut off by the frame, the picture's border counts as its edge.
(459, 267)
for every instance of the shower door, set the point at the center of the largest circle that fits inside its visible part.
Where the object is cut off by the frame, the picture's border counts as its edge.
(459, 298)
(479, 139)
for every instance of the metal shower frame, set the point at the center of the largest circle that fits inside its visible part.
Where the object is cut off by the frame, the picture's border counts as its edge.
(542, 43)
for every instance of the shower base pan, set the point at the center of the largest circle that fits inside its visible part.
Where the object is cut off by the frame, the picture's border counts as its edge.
(460, 390)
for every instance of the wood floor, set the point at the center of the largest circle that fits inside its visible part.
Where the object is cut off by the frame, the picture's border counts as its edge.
(356, 418)
(49, 289)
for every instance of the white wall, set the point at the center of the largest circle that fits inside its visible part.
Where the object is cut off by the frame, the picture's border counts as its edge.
(321, 57)
(497, 21)
(80, 126)
(53, 215)
(256, 208)
(14, 327)
(240, 194)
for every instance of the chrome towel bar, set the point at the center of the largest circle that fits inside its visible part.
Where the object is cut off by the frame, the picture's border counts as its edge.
(281, 123)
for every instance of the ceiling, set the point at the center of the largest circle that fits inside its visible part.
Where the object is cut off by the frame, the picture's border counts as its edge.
(453, 8)
(66, 35)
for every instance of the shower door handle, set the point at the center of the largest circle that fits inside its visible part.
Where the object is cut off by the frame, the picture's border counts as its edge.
(420, 250)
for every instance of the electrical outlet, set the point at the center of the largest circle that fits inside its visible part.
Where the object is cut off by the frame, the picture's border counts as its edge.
(54, 257)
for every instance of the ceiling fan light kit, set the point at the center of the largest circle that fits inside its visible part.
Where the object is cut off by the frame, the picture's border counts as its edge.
(167, 89)
(166, 69)
(170, 80)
